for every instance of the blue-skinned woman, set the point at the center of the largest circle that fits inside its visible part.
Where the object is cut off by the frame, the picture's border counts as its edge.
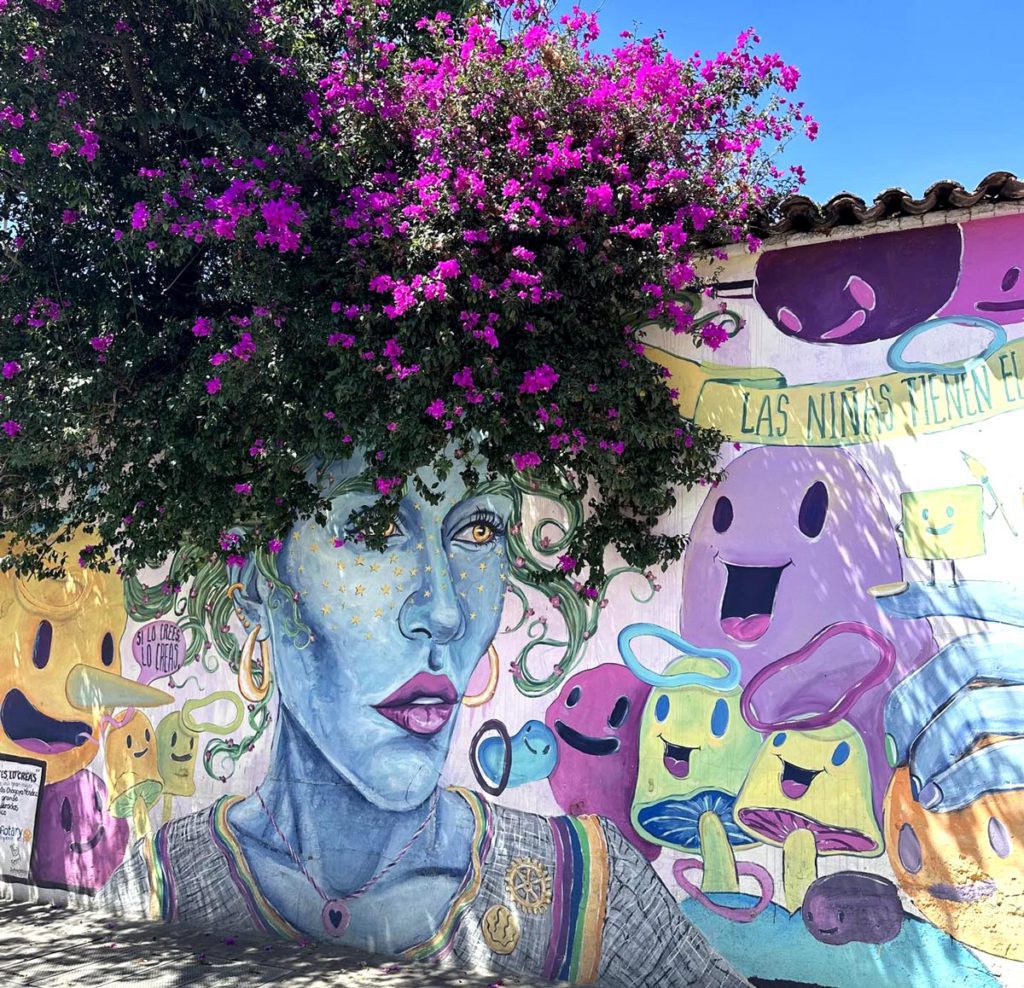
(350, 834)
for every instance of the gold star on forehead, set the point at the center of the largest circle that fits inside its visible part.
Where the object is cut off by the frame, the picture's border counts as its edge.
(368, 637)
(472, 615)
(359, 560)
(341, 567)
(420, 546)
(302, 569)
(426, 593)
(355, 619)
(295, 536)
(462, 575)
(379, 613)
(374, 567)
(398, 588)
(418, 506)
(314, 546)
(342, 588)
(386, 589)
(360, 590)
(483, 566)
(392, 558)
(325, 584)
(325, 610)
(479, 588)
(398, 571)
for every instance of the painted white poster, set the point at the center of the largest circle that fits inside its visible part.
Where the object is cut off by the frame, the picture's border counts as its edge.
(21, 783)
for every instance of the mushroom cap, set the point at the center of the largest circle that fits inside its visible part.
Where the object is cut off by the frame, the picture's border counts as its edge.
(812, 780)
(695, 751)
(148, 790)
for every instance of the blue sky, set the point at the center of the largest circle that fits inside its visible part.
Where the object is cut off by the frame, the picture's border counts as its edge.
(907, 92)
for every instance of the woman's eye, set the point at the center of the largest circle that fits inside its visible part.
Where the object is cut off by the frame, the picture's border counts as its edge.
(477, 533)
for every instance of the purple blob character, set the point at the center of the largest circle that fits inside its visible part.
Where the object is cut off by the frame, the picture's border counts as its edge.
(990, 277)
(852, 907)
(786, 545)
(78, 843)
(859, 289)
(596, 718)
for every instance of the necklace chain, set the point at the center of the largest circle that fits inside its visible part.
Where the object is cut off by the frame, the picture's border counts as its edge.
(370, 882)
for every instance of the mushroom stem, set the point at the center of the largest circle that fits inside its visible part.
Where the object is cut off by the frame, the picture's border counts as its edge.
(719, 860)
(140, 817)
(799, 866)
(168, 806)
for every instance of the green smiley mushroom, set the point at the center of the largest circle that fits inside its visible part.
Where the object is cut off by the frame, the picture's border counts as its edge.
(809, 792)
(132, 775)
(695, 750)
(176, 759)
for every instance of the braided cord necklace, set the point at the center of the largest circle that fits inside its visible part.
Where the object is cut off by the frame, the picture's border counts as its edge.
(335, 915)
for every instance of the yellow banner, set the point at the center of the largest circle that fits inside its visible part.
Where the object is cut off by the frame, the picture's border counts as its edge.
(756, 405)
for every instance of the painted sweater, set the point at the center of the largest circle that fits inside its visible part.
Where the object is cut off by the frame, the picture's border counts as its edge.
(565, 898)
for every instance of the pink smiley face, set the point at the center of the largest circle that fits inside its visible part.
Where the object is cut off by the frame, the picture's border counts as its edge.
(596, 718)
(991, 282)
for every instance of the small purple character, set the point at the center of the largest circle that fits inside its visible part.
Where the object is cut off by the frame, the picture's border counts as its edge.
(78, 843)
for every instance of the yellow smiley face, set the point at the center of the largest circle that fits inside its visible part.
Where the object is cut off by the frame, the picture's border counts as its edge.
(132, 772)
(60, 664)
(946, 523)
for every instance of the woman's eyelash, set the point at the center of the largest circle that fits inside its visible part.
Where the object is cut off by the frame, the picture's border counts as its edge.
(482, 516)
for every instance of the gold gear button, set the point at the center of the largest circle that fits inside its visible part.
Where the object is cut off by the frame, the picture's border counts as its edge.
(500, 929)
(529, 883)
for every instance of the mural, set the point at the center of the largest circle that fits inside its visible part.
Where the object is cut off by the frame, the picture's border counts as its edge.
(796, 757)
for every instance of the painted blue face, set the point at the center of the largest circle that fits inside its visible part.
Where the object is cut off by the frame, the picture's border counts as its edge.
(396, 634)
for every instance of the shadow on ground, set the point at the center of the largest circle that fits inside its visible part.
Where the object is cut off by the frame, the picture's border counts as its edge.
(45, 945)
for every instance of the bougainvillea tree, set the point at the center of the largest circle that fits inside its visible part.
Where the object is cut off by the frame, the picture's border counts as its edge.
(238, 237)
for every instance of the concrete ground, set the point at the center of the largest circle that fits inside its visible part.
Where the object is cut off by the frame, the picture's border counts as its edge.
(46, 945)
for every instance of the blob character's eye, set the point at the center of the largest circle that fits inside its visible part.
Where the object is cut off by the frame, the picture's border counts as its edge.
(661, 708)
(840, 915)
(722, 516)
(147, 734)
(174, 738)
(924, 514)
(720, 718)
(949, 512)
(96, 800)
(573, 698)
(128, 743)
(41, 646)
(999, 837)
(191, 743)
(780, 740)
(841, 753)
(813, 510)
(65, 815)
(107, 650)
(908, 847)
(1010, 278)
(619, 712)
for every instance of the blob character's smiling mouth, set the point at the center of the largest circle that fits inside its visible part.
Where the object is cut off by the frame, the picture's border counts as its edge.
(34, 731)
(421, 706)
(584, 743)
(831, 929)
(181, 758)
(795, 781)
(139, 754)
(1006, 306)
(938, 531)
(676, 758)
(83, 847)
(533, 751)
(749, 600)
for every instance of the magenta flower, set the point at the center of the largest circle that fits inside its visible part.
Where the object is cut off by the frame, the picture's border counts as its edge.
(243, 489)
(523, 461)
(600, 197)
(11, 367)
(274, 546)
(542, 378)
(202, 327)
(213, 386)
(385, 485)
(140, 216)
(69, 217)
(447, 269)
(435, 409)
(16, 156)
(11, 427)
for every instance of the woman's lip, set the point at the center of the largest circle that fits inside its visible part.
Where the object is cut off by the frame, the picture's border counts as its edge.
(423, 684)
(422, 719)
(425, 719)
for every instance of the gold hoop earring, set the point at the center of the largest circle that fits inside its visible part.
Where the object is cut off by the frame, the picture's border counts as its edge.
(254, 676)
(246, 623)
(487, 693)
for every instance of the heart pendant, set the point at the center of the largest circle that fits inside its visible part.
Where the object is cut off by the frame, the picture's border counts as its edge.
(335, 917)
